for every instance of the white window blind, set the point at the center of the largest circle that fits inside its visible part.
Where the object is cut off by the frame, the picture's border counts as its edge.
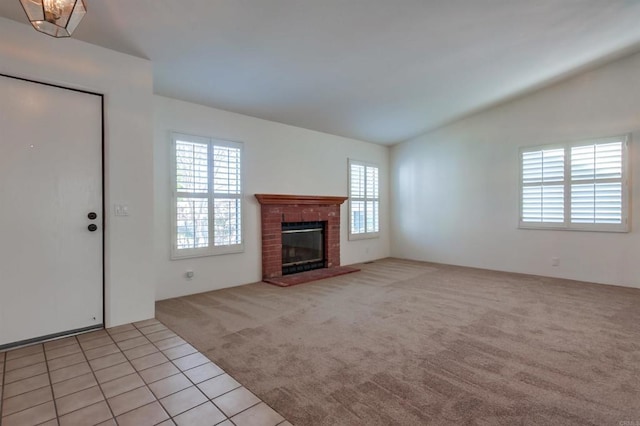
(192, 186)
(226, 195)
(577, 186)
(364, 199)
(543, 186)
(596, 183)
(207, 192)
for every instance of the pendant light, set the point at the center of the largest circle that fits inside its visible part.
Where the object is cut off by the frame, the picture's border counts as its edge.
(57, 18)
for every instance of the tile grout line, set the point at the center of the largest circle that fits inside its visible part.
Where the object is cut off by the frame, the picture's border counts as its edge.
(196, 385)
(66, 366)
(93, 373)
(180, 372)
(29, 408)
(50, 384)
(46, 364)
(145, 385)
(23, 393)
(32, 390)
(4, 367)
(225, 393)
(248, 408)
(224, 372)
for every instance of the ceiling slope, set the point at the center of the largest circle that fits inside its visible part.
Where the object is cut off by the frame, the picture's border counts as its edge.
(377, 70)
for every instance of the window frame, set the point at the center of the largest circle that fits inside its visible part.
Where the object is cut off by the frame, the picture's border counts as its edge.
(567, 225)
(210, 250)
(362, 235)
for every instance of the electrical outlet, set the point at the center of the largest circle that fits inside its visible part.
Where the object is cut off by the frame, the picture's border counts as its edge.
(555, 261)
(189, 275)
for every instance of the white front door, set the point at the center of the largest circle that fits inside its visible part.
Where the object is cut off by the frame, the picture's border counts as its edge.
(51, 270)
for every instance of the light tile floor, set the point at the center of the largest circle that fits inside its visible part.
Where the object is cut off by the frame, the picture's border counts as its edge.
(136, 374)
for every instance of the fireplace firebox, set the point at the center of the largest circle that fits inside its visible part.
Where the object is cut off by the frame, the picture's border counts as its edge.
(302, 246)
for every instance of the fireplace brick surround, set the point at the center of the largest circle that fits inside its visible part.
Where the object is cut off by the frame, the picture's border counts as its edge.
(277, 209)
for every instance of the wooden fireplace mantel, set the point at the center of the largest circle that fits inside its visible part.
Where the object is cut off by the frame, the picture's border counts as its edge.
(280, 199)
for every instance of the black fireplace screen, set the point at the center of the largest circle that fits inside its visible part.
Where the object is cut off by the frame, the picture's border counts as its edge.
(302, 246)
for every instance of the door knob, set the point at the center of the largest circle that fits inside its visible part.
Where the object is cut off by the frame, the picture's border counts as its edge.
(92, 216)
(93, 227)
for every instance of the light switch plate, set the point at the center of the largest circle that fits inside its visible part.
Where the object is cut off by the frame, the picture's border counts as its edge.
(121, 209)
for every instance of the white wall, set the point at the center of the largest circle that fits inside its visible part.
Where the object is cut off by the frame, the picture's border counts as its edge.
(455, 190)
(126, 83)
(278, 159)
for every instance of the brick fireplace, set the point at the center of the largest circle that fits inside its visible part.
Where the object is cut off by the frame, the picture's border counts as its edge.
(277, 210)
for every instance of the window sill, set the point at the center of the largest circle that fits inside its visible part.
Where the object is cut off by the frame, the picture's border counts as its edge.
(617, 229)
(364, 236)
(218, 251)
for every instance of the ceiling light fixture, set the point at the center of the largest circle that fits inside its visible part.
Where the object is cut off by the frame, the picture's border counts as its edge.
(57, 18)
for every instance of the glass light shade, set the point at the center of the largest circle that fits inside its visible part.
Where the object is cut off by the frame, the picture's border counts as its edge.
(57, 18)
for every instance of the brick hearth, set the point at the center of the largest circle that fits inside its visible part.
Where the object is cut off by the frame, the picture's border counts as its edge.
(277, 209)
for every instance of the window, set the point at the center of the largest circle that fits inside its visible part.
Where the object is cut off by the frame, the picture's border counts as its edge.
(576, 186)
(364, 200)
(207, 196)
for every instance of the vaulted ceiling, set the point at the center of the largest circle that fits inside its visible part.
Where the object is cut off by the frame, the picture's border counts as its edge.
(377, 70)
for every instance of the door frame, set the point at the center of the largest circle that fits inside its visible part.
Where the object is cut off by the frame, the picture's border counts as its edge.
(104, 217)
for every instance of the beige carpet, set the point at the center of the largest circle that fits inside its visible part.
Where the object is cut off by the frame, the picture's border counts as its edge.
(412, 343)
